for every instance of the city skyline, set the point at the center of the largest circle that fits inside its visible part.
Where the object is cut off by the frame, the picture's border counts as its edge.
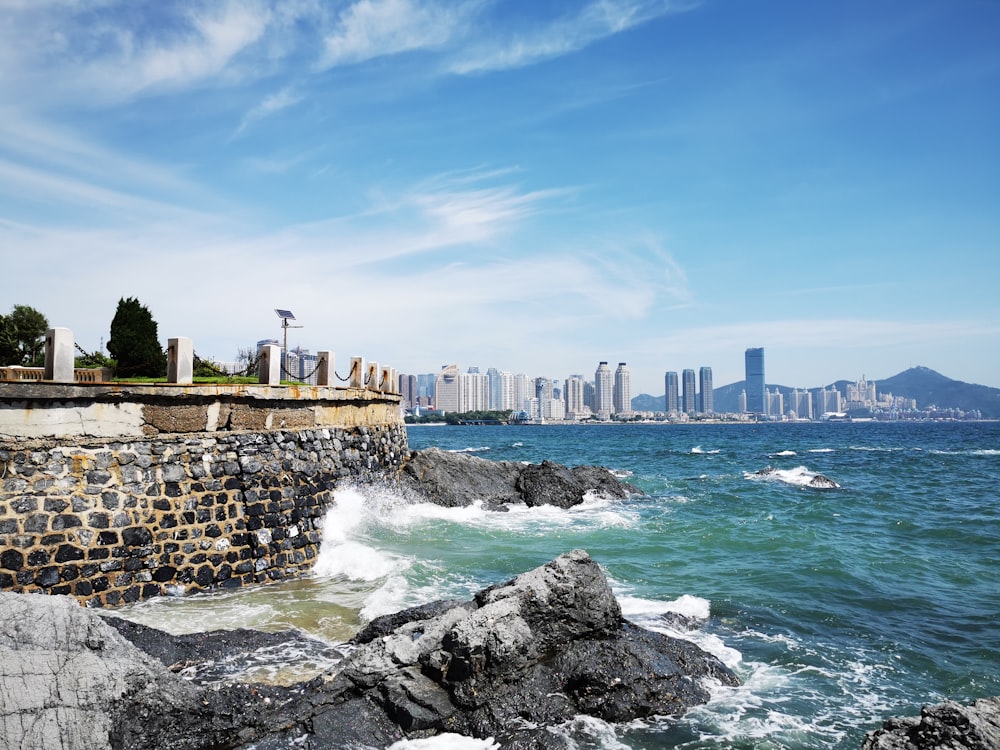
(546, 185)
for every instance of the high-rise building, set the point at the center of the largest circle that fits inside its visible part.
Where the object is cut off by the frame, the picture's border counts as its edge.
(775, 402)
(689, 401)
(756, 403)
(473, 391)
(603, 391)
(408, 391)
(446, 389)
(506, 391)
(496, 389)
(800, 402)
(671, 383)
(827, 401)
(622, 393)
(706, 396)
(575, 408)
(522, 392)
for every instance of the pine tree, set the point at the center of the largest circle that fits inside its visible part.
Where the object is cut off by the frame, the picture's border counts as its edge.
(134, 343)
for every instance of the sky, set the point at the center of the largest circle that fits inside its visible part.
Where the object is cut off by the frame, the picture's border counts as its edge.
(531, 185)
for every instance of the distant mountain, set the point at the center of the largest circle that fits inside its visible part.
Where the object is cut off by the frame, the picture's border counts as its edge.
(928, 387)
(645, 402)
(931, 388)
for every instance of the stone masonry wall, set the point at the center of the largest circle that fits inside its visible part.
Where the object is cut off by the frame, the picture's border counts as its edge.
(114, 522)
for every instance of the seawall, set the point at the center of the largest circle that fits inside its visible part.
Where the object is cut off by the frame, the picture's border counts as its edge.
(113, 493)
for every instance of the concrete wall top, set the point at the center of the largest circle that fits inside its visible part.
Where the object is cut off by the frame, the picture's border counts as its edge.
(43, 410)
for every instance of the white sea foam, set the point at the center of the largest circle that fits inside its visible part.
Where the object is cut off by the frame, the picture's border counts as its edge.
(822, 450)
(343, 551)
(588, 732)
(800, 476)
(654, 615)
(698, 449)
(480, 449)
(784, 454)
(596, 511)
(446, 742)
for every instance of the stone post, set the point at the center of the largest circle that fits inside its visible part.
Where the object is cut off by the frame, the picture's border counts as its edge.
(371, 376)
(357, 376)
(180, 360)
(269, 368)
(393, 384)
(59, 355)
(325, 368)
(385, 379)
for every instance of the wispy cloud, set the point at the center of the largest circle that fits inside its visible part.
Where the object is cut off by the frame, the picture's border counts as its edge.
(517, 47)
(375, 28)
(271, 104)
(104, 54)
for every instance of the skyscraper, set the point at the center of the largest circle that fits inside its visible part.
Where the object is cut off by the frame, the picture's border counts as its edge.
(671, 383)
(574, 397)
(705, 390)
(446, 388)
(689, 401)
(756, 403)
(623, 390)
(603, 391)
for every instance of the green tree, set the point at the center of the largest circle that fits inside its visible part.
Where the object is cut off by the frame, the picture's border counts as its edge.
(22, 337)
(134, 343)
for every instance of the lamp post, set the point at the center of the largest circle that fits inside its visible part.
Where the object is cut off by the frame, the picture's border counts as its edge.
(286, 316)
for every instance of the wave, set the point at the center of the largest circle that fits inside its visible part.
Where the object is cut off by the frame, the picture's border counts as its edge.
(800, 476)
(480, 449)
(783, 454)
(698, 450)
(343, 551)
(822, 450)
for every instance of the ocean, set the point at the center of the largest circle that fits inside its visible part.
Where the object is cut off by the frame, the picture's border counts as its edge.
(838, 607)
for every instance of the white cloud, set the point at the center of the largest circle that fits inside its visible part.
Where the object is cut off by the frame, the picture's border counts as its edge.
(276, 102)
(374, 28)
(519, 47)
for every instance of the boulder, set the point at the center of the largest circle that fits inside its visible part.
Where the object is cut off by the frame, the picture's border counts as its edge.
(70, 681)
(458, 479)
(536, 651)
(945, 726)
(520, 656)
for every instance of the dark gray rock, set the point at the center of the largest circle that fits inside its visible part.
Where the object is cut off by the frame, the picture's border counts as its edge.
(945, 726)
(523, 655)
(458, 479)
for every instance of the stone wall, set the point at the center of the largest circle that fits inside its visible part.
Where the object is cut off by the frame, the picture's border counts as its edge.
(112, 522)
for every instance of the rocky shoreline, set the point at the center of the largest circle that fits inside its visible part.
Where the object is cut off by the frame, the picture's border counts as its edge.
(512, 663)
(516, 659)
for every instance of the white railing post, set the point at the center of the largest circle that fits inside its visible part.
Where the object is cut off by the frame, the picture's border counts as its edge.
(269, 368)
(357, 376)
(325, 368)
(180, 360)
(59, 355)
(371, 376)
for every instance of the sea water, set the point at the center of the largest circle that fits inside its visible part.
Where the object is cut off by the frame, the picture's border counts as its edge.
(837, 607)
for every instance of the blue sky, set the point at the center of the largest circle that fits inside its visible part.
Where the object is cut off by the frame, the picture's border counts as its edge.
(533, 186)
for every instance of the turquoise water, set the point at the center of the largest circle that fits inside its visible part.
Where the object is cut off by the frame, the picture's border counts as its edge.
(837, 607)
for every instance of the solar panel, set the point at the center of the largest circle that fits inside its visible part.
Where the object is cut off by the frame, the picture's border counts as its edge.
(285, 314)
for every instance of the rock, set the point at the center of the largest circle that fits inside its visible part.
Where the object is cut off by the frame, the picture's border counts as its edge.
(535, 651)
(68, 680)
(458, 479)
(946, 726)
(523, 655)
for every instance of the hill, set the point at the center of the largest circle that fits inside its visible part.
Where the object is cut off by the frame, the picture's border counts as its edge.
(928, 387)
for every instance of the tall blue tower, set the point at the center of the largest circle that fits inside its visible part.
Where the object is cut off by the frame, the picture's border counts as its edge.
(756, 403)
